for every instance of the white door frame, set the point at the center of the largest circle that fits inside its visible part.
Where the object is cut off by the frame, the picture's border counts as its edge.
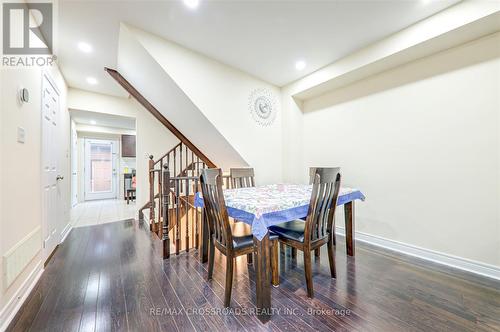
(113, 194)
(74, 164)
(50, 241)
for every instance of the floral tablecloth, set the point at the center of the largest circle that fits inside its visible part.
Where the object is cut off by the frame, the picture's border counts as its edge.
(269, 205)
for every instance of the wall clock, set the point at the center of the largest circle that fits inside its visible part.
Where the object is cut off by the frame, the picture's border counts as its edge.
(263, 106)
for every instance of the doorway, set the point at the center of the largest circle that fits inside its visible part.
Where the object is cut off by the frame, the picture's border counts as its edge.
(101, 159)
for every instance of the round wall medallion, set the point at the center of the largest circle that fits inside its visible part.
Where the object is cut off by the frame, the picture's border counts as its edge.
(262, 105)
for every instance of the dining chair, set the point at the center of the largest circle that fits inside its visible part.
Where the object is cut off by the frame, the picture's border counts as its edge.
(242, 178)
(312, 174)
(317, 230)
(221, 236)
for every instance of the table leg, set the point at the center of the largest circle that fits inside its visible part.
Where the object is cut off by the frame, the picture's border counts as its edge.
(204, 237)
(263, 280)
(349, 227)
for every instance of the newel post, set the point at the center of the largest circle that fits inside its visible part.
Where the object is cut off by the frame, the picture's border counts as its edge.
(152, 226)
(165, 225)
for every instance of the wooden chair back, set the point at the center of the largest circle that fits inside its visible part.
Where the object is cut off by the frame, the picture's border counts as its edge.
(215, 206)
(325, 191)
(242, 177)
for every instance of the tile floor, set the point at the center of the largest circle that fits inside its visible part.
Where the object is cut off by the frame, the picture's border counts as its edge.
(101, 212)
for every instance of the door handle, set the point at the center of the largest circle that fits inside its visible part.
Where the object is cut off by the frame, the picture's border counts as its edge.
(59, 177)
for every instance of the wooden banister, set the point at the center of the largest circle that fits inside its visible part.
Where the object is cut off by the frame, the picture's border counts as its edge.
(169, 151)
(147, 105)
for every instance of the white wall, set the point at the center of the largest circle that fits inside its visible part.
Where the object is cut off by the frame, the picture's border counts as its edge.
(152, 137)
(422, 142)
(21, 166)
(219, 93)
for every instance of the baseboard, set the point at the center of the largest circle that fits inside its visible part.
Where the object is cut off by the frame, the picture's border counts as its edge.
(12, 307)
(479, 268)
(65, 232)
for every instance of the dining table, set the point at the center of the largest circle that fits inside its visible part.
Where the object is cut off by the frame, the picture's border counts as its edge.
(268, 205)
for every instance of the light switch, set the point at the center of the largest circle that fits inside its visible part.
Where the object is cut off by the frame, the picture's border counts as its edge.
(21, 135)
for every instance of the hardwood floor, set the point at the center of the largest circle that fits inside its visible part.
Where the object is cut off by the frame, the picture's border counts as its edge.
(110, 278)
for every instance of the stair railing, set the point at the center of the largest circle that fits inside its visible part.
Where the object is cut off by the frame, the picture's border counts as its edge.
(171, 206)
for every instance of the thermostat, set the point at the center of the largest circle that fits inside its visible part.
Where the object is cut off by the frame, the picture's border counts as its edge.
(24, 95)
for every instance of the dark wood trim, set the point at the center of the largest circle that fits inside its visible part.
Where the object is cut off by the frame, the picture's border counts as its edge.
(349, 226)
(262, 278)
(147, 105)
(166, 154)
(152, 223)
(165, 210)
(204, 237)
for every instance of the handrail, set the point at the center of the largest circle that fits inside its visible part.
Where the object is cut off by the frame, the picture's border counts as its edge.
(169, 151)
(157, 114)
(184, 178)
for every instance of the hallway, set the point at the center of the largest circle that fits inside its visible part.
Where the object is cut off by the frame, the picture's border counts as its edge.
(102, 211)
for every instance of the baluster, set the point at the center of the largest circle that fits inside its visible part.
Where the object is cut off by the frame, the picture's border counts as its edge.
(165, 224)
(187, 162)
(197, 235)
(193, 165)
(180, 160)
(197, 166)
(175, 162)
(168, 161)
(160, 199)
(186, 196)
(177, 216)
(151, 194)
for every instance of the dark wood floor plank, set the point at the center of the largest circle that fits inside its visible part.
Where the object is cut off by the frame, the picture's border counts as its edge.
(68, 282)
(246, 283)
(250, 322)
(238, 323)
(111, 309)
(137, 298)
(220, 321)
(149, 265)
(109, 278)
(332, 294)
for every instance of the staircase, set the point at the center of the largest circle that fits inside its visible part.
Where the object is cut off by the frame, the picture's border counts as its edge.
(173, 214)
(173, 183)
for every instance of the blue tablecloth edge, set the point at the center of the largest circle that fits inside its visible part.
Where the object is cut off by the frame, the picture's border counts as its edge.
(259, 229)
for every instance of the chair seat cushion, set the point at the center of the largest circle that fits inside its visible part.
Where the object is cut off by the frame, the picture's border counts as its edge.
(244, 241)
(293, 230)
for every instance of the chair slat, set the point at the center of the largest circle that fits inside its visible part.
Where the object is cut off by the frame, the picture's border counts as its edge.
(242, 177)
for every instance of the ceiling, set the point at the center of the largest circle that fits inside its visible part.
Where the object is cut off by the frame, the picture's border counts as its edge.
(263, 38)
(102, 119)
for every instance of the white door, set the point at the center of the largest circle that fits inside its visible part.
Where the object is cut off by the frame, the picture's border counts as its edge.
(50, 171)
(101, 158)
(74, 165)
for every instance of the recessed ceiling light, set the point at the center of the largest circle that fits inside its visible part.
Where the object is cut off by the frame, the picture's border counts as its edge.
(85, 47)
(299, 65)
(91, 80)
(93, 122)
(192, 3)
